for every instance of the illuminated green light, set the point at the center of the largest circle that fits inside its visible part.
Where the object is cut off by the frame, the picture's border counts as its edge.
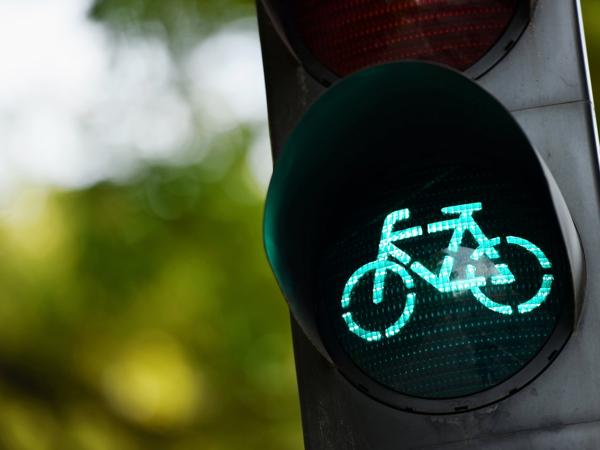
(388, 237)
(468, 208)
(379, 266)
(484, 248)
(541, 257)
(408, 310)
(390, 258)
(491, 304)
(442, 281)
(359, 331)
(504, 276)
(445, 283)
(464, 222)
(539, 298)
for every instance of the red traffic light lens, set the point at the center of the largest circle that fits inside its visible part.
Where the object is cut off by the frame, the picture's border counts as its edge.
(348, 35)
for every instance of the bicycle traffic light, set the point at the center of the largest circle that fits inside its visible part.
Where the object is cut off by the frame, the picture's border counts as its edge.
(427, 266)
(424, 227)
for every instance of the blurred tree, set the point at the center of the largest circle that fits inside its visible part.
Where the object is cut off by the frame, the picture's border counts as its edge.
(181, 20)
(144, 315)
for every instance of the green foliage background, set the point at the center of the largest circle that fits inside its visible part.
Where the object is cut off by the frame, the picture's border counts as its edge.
(143, 315)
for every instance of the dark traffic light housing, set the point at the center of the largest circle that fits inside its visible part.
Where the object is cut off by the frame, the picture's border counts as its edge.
(421, 242)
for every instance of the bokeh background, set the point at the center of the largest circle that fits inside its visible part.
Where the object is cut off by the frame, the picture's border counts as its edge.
(137, 310)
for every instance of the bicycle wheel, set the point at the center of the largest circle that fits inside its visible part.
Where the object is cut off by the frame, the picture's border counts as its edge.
(534, 301)
(379, 266)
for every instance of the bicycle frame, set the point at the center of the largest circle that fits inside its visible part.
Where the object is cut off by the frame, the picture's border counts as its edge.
(441, 281)
(391, 258)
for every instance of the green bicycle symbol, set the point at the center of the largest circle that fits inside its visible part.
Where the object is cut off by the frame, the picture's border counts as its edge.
(391, 258)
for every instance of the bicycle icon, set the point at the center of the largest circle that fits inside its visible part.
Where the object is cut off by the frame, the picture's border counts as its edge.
(390, 258)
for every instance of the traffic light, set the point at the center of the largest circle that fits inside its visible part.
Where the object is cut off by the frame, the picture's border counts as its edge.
(428, 265)
(431, 222)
